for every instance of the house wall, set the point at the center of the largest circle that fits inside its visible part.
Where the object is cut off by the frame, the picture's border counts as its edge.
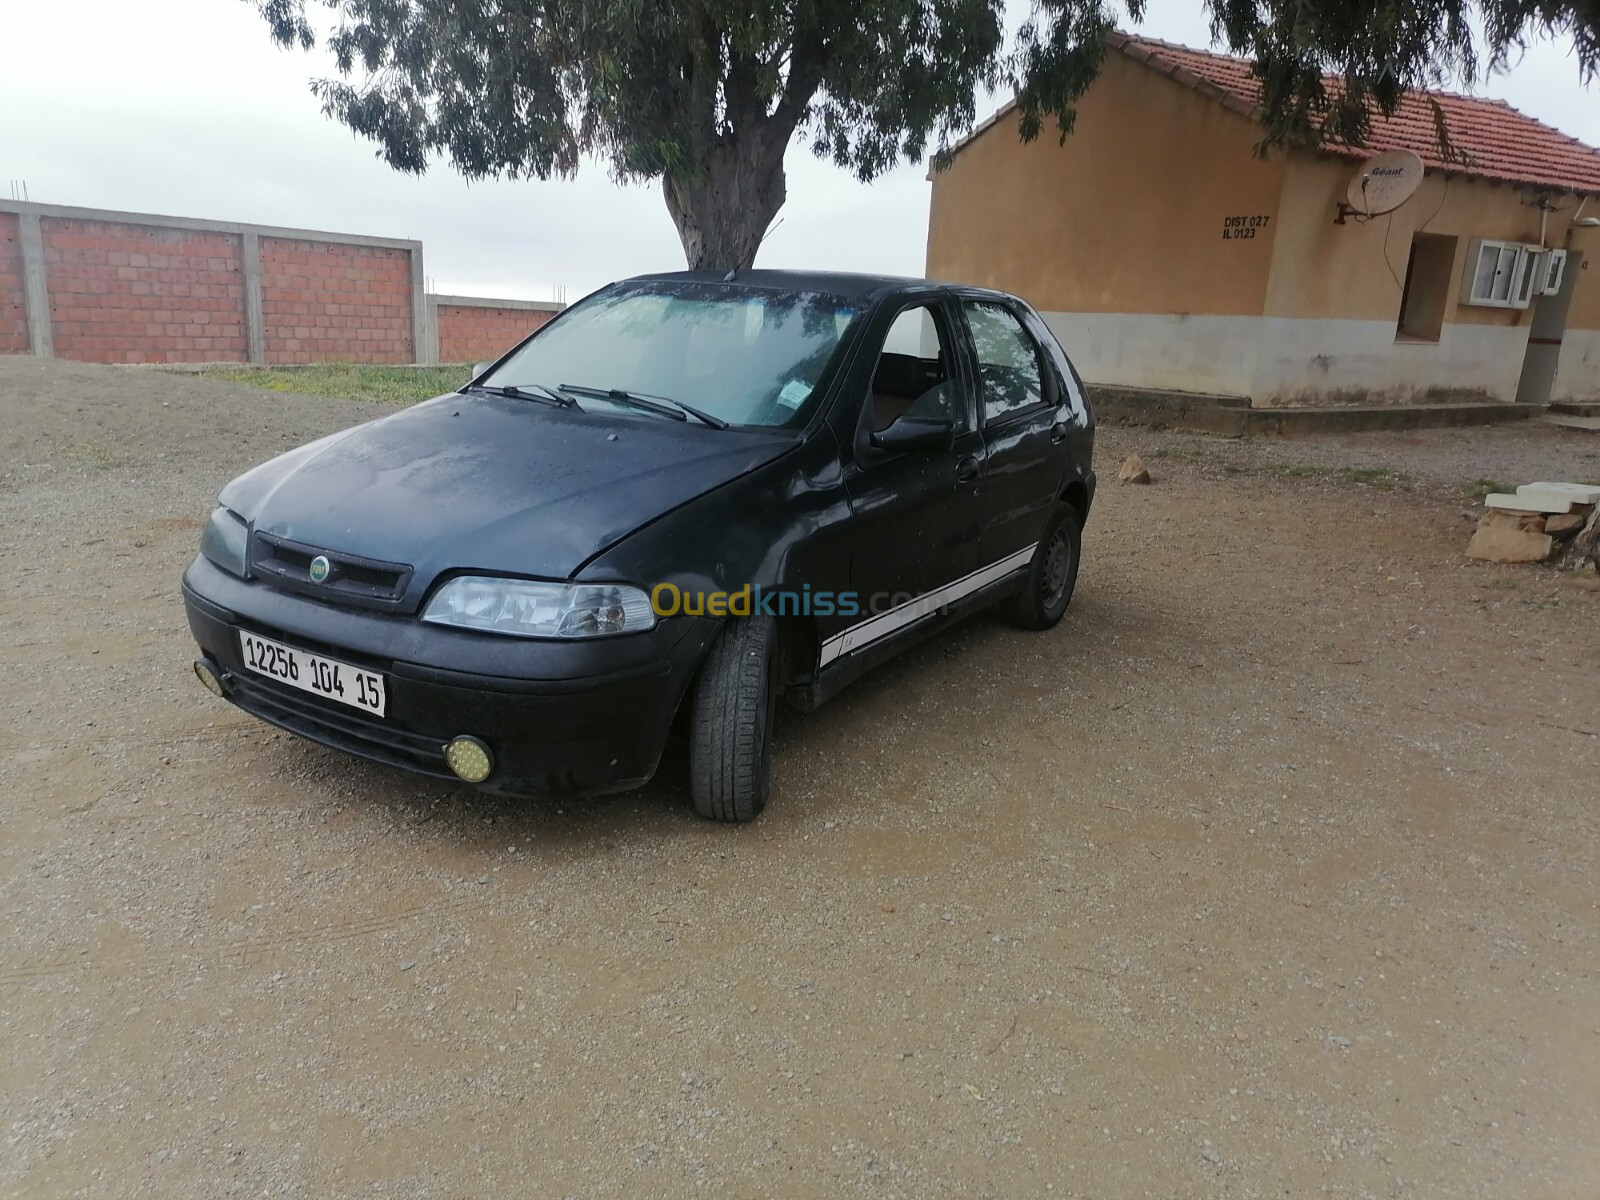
(1146, 240)
(1333, 300)
(1578, 368)
(1118, 238)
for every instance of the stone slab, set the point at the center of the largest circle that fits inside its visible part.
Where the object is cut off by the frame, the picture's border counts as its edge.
(1536, 502)
(1581, 493)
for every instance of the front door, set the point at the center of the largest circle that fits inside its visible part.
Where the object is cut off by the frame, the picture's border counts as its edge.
(915, 515)
(1545, 331)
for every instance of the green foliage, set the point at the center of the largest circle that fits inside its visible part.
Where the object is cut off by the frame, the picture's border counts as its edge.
(1375, 52)
(348, 381)
(1477, 489)
(708, 94)
(526, 88)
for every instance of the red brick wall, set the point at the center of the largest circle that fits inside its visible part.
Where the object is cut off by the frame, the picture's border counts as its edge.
(13, 316)
(470, 334)
(134, 293)
(326, 301)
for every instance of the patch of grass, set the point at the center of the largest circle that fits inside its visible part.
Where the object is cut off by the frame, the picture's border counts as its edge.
(1503, 583)
(89, 453)
(1282, 470)
(1179, 452)
(348, 381)
(1381, 477)
(1477, 489)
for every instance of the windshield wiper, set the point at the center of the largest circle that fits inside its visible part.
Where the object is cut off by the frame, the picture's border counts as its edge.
(665, 405)
(543, 395)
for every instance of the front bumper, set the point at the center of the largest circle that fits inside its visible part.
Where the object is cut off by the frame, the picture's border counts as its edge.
(560, 717)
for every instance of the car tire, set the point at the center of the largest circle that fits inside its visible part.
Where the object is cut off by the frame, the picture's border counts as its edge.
(730, 729)
(1052, 574)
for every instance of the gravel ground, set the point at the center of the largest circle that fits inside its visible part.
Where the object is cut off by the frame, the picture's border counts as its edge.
(1271, 871)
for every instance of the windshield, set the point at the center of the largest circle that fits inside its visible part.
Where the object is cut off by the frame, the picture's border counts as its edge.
(744, 355)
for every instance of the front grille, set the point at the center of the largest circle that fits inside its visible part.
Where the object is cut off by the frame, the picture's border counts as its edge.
(337, 726)
(368, 582)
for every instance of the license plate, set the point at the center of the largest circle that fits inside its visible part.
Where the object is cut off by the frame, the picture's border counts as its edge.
(313, 673)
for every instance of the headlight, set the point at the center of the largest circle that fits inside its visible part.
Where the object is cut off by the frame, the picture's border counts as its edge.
(224, 540)
(526, 608)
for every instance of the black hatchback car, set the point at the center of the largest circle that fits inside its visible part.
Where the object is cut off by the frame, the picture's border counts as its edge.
(686, 496)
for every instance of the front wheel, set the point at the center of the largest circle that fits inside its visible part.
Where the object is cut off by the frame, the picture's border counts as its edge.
(730, 732)
(1052, 574)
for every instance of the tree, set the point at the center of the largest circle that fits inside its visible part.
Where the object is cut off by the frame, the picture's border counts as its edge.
(708, 95)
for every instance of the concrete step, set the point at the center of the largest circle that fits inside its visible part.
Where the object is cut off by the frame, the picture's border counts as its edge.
(1591, 424)
(1230, 417)
(1576, 408)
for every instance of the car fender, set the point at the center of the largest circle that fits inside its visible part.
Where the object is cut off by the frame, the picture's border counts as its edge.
(785, 525)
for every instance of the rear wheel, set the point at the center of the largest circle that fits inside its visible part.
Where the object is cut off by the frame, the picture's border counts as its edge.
(1052, 574)
(730, 730)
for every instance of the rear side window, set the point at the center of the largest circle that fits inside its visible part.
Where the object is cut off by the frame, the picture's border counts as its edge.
(1011, 367)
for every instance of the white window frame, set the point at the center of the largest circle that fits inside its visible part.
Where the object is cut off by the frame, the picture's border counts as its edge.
(1552, 272)
(1514, 262)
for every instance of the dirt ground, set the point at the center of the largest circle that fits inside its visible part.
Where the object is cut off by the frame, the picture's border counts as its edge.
(1271, 872)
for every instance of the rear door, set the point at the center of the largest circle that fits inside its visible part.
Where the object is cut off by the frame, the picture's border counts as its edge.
(1025, 423)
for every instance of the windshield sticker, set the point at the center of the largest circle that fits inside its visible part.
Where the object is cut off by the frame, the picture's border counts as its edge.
(755, 316)
(794, 393)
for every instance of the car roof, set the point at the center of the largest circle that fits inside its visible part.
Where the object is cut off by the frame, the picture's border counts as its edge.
(847, 284)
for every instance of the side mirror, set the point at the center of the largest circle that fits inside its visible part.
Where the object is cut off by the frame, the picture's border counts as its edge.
(479, 368)
(926, 434)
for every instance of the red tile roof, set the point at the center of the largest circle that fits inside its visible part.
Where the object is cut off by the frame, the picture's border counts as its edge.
(1498, 142)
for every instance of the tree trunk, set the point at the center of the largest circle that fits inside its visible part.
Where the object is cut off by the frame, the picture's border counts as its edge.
(1584, 548)
(723, 209)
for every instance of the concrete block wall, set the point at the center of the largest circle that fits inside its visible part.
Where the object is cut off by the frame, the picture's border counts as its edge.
(104, 286)
(472, 329)
(331, 302)
(143, 293)
(13, 302)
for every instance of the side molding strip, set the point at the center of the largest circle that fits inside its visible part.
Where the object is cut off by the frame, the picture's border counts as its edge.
(881, 625)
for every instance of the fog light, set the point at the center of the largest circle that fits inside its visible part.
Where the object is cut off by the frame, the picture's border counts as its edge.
(469, 758)
(208, 675)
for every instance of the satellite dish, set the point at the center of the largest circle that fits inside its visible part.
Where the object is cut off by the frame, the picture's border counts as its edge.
(1384, 182)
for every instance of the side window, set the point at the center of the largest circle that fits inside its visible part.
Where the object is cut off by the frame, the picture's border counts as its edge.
(913, 375)
(1010, 366)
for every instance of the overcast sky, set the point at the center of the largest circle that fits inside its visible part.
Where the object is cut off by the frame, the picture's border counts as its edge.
(187, 107)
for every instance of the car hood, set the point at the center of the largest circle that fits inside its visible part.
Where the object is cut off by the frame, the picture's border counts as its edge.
(490, 483)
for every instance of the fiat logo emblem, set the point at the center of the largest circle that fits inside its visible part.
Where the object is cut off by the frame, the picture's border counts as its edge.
(320, 569)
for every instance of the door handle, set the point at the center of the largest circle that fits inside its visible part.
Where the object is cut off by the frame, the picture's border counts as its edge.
(967, 469)
(1058, 432)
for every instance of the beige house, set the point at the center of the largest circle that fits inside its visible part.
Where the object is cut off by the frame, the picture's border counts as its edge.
(1165, 254)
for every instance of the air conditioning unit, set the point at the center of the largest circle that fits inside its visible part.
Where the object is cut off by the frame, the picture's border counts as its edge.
(1501, 274)
(1552, 270)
